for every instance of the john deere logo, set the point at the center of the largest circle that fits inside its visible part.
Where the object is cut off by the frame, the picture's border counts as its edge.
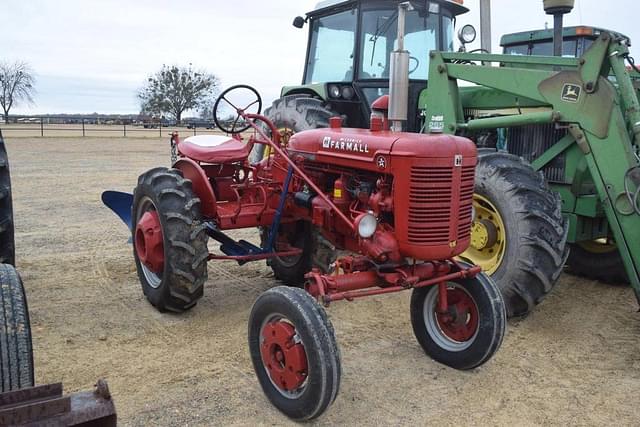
(571, 93)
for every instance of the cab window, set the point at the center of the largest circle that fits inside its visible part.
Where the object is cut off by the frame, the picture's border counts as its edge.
(331, 48)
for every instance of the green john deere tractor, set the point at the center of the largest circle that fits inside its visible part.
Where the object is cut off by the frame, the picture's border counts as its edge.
(545, 182)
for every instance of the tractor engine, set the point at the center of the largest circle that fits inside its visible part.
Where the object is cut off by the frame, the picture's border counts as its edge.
(409, 195)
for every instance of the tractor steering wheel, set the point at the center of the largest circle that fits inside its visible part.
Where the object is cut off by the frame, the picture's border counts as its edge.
(417, 64)
(238, 122)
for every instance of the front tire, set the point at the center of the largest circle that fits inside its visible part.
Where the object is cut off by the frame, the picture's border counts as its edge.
(294, 352)
(170, 242)
(472, 330)
(519, 236)
(16, 350)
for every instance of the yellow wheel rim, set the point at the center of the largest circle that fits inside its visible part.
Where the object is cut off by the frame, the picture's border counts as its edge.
(285, 135)
(599, 246)
(488, 236)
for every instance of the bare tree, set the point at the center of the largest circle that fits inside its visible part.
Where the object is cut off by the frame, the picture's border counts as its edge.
(17, 84)
(173, 90)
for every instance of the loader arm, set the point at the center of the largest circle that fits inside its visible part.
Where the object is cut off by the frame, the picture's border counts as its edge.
(601, 114)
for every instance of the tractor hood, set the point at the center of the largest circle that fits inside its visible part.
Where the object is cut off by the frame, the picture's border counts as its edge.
(375, 151)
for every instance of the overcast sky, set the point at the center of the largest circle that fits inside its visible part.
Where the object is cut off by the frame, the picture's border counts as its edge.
(92, 56)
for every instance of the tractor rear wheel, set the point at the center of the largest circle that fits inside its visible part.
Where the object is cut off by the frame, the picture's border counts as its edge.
(316, 252)
(519, 236)
(16, 351)
(294, 113)
(7, 242)
(599, 260)
(170, 242)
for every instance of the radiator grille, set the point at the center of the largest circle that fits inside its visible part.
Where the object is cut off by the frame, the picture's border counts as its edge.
(529, 142)
(431, 204)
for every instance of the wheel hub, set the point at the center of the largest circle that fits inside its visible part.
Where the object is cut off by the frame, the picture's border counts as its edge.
(484, 234)
(460, 322)
(149, 242)
(284, 359)
(488, 236)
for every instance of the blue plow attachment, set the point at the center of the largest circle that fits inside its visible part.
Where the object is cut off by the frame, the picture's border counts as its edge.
(120, 203)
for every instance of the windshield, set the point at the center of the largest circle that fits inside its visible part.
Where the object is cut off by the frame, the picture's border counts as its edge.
(543, 49)
(331, 48)
(379, 33)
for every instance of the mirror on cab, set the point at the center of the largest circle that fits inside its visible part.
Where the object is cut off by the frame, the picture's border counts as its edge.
(298, 22)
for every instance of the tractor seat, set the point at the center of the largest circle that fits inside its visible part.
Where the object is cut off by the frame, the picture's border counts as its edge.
(216, 149)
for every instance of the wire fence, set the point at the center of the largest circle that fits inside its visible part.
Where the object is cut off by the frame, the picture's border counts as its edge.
(94, 126)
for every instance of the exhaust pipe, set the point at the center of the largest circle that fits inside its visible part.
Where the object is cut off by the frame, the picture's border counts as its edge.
(558, 8)
(399, 75)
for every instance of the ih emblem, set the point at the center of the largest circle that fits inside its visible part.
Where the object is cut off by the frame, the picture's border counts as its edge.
(457, 162)
(571, 93)
(381, 162)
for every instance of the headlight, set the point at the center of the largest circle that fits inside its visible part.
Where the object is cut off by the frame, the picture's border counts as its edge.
(347, 92)
(467, 34)
(334, 91)
(366, 225)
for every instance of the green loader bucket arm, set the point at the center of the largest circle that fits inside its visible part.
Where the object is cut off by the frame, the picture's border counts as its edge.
(593, 97)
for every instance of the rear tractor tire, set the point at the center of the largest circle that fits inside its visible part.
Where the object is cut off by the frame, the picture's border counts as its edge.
(170, 241)
(598, 261)
(292, 114)
(316, 252)
(7, 241)
(519, 236)
(16, 351)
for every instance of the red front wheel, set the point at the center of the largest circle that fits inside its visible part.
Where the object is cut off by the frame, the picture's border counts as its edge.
(294, 352)
(470, 331)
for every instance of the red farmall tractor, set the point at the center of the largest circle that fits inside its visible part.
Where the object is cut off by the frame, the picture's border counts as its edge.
(398, 207)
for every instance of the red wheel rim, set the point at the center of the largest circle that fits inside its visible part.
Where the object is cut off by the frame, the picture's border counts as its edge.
(460, 322)
(149, 242)
(284, 359)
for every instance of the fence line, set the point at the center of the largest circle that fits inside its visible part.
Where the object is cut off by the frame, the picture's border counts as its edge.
(50, 125)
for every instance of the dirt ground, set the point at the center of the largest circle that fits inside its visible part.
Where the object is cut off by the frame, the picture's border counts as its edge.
(575, 360)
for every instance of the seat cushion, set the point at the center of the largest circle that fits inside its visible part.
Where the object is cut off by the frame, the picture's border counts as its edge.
(215, 149)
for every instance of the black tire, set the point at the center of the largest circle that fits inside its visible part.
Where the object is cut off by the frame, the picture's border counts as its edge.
(316, 253)
(16, 351)
(299, 113)
(181, 283)
(313, 330)
(606, 266)
(489, 319)
(292, 114)
(7, 240)
(536, 233)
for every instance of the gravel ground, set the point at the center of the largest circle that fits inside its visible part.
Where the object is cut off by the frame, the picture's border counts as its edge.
(575, 360)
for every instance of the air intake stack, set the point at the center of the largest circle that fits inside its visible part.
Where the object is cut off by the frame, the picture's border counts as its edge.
(558, 8)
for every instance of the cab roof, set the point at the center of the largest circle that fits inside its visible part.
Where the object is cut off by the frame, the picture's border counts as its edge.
(456, 6)
(547, 35)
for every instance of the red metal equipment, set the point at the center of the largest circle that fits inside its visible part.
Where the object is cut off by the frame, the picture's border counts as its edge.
(400, 203)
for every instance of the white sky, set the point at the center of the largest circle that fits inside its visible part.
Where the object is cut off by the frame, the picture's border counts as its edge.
(91, 56)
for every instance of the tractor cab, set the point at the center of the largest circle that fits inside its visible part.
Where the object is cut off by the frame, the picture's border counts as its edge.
(576, 41)
(349, 49)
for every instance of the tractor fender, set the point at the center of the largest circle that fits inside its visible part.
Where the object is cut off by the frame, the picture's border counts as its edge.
(201, 185)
